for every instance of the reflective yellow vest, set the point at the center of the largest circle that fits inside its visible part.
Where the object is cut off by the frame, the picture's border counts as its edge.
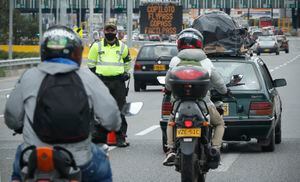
(108, 60)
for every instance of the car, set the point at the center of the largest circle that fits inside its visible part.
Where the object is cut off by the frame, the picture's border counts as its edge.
(154, 37)
(283, 42)
(255, 34)
(152, 60)
(172, 38)
(253, 110)
(266, 44)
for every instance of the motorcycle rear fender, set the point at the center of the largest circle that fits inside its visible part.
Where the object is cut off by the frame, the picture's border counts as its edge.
(188, 148)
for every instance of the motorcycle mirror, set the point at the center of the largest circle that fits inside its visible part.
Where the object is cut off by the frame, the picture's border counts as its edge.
(132, 108)
(236, 78)
(161, 80)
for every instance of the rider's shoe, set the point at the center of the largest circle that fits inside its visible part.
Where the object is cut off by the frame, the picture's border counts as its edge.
(170, 158)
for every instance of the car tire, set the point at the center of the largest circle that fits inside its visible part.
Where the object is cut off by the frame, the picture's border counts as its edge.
(286, 51)
(278, 132)
(137, 86)
(270, 147)
(143, 86)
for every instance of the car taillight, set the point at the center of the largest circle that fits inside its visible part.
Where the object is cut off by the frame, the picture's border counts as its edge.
(188, 123)
(166, 108)
(137, 67)
(189, 74)
(261, 108)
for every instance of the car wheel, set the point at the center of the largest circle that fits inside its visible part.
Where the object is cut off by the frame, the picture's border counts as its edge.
(286, 51)
(258, 53)
(278, 132)
(143, 86)
(270, 147)
(137, 86)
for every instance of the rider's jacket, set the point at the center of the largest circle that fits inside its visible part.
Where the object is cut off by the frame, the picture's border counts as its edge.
(216, 80)
(21, 105)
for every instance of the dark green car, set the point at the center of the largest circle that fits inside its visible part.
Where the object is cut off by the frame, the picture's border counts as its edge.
(254, 109)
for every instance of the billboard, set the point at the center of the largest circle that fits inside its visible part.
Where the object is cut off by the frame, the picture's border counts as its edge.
(160, 18)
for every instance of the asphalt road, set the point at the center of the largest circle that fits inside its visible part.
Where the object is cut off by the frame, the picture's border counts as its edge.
(142, 161)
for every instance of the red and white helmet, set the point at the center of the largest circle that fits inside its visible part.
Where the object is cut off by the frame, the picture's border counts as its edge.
(189, 38)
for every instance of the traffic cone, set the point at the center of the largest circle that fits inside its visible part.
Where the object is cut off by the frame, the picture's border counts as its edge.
(111, 138)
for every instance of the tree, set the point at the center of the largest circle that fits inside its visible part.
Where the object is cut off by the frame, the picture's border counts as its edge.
(24, 26)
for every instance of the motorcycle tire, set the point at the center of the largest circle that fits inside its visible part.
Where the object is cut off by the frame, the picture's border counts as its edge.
(189, 169)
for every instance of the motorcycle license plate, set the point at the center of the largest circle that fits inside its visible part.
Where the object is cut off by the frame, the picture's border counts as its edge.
(226, 109)
(267, 50)
(188, 132)
(159, 67)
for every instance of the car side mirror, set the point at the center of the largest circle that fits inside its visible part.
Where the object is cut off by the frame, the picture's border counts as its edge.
(279, 82)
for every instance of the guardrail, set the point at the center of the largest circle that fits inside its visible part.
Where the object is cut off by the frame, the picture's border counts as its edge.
(18, 62)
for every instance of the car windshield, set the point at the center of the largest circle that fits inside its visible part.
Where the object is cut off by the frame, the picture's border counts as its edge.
(153, 52)
(250, 79)
(266, 38)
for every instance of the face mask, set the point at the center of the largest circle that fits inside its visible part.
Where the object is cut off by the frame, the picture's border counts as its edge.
(110, 36)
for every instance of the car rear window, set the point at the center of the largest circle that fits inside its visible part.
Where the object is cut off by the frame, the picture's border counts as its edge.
(250, 78)
(153, 52)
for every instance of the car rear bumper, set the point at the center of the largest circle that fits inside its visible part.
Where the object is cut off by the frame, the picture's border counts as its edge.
(149, 77)
(239, 130)
(267, 50)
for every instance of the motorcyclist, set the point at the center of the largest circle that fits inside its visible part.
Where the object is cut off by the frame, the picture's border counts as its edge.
(190, 44)
(61, 52)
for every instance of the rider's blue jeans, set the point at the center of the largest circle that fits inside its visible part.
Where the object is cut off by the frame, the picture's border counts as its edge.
(97, 170)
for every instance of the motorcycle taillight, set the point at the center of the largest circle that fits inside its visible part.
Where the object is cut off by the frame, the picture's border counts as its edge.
(189, 74)
(188, 123)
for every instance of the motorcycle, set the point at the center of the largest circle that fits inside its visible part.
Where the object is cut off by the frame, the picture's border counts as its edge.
(56, 164)
(195, 155)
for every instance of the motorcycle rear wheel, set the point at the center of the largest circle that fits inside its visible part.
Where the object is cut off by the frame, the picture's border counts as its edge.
(189, 169)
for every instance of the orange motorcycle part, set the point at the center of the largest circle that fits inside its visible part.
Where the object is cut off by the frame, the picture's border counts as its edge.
(45, 159)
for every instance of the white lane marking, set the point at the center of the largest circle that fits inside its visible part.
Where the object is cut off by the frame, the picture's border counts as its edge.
(226, 162)
(148, 130)
(284, 64)
(111, 148)
(6, 89)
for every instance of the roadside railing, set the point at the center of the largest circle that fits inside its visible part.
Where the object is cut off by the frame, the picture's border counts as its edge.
(18, 62)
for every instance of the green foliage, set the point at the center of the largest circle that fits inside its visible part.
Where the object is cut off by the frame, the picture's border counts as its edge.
(16, 55)
(25, 27)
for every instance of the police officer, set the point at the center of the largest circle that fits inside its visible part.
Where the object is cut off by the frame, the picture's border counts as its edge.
(109, 59)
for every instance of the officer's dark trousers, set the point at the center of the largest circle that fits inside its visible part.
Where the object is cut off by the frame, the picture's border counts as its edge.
(117, 89)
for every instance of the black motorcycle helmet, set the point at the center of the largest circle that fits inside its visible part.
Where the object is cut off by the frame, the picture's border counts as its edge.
(189, 38)
(61, 42)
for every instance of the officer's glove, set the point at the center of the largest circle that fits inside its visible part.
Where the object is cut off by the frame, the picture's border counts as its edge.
(126, 76)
